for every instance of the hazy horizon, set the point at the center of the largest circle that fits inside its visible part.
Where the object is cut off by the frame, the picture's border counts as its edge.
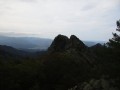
(18, 35)
(89, 20)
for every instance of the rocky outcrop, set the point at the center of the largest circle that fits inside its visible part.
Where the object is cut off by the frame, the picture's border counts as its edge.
(63, 43)
(74, 48)
(60, 43)
(97, 84)
(76, 43)
(70, 59)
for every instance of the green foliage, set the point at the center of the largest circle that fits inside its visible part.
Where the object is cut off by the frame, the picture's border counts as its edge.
(115, 41)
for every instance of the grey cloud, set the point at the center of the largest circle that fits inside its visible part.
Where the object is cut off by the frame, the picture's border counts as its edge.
(88, 7)
(51, 17)
(28, 0)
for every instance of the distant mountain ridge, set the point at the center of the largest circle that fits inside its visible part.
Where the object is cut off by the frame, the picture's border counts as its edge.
(31, 43)
(26, 42)
(6, 51)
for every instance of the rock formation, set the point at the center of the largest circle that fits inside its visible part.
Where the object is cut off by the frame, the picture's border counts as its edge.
(63, 43)
(72, 47)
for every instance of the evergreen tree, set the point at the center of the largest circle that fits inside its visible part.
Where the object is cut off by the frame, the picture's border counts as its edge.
(115, 41)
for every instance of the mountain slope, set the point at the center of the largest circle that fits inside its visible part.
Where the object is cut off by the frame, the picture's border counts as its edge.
(25, 42)
(67, 62)
(10, 50)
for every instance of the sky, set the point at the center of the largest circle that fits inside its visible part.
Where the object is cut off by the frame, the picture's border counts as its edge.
(87, 19)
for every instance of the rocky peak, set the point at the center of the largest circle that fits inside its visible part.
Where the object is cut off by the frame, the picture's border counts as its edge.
(59, 43)
(76, 42)
(62, 43)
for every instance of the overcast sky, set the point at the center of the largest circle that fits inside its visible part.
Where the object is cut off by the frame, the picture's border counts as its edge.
(87, 19)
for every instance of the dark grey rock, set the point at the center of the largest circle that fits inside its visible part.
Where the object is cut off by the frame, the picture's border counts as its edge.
(63, 43)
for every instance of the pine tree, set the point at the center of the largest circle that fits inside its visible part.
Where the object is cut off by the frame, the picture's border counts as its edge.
(115, 41)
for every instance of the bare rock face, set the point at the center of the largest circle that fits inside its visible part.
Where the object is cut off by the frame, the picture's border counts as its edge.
(59, 44)
(63, 43)
(75, 43)
(73, 47)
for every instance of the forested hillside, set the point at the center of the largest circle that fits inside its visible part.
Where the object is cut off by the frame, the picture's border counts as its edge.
(68, 64)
